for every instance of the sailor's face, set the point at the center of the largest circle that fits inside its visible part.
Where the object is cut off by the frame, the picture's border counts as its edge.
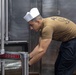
(34, 25)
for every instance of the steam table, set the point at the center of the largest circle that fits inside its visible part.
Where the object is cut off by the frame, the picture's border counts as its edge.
(17, 56)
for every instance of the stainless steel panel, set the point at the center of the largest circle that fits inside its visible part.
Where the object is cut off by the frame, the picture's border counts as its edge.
(0, 19)
(18, 27)
(68, 9)
(49, 8)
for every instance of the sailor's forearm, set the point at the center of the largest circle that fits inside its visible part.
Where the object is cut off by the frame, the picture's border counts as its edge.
(34, 52)
(36, 58)
(39, 50)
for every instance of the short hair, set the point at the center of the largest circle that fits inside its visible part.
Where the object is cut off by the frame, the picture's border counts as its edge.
(37, 18)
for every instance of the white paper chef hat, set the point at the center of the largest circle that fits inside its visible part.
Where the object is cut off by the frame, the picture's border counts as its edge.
(32, 14)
